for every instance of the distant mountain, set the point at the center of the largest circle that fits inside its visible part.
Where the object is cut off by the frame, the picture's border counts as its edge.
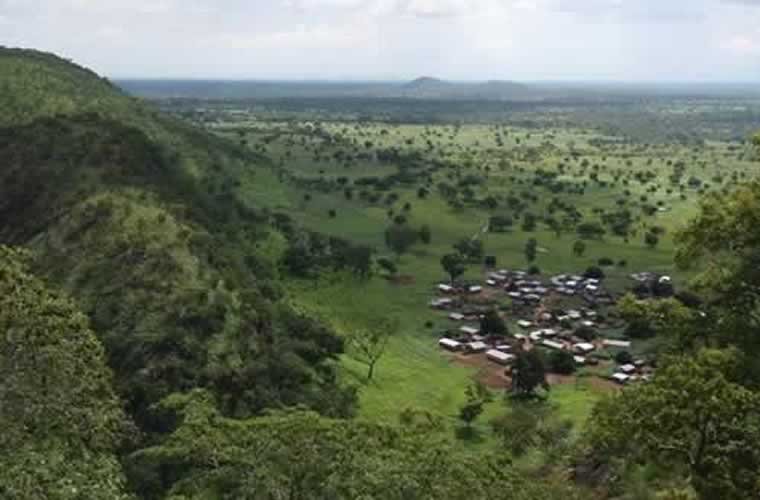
(423, 88)
(433, 88)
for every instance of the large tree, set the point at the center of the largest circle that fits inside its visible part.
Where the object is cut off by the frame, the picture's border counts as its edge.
(399, 238)
(61, 421)
(454, 265)
(528, 374)
(693, 417)
(367, 345)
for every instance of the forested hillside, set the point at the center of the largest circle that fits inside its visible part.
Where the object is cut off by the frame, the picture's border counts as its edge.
(136, 217)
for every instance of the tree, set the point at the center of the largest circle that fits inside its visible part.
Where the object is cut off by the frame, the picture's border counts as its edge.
(594, 272)
(470, 249)
(531, 250)
(492, 324)
(399, 238)
(579, 248)
(388, 265)
(61, 420)
(477, 396)
(367, 345)
(425, 234)
(528, 374)
(693, 417)
(562, 362)
(651, 239)
(453, 264)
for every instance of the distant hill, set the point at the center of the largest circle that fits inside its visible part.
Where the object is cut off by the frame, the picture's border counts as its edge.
(137, 216)
(422, 88)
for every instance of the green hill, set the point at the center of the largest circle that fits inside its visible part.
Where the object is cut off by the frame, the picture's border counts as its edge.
(137, 217)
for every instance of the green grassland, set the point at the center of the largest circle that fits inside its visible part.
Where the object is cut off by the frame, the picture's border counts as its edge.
(309, 158)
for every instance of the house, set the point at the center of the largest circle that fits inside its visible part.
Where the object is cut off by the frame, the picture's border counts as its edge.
(456, 317)
(491, 282)
(579, 360)
(469, 330)
(524, 323)
(588, 324)
(440, 303)
(584, 348)
(475, 289)
(620, 378)
(628, 369)
(549, 332)
(624, 344)
(504, 347)
(553, 345)
(515, 295)
(451, 345)
(476, 347)
(445, 288)
(499, 357)
(536, 336)
(574, 315)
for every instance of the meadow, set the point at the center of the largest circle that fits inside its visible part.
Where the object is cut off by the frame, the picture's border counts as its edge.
(353, 179)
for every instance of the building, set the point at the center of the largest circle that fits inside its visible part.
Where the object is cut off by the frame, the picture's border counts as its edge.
(499, 357)
(449, 344)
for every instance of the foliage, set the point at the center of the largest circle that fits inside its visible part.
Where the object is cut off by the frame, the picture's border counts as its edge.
(300, 455)
(492, 324)
(399, 238)
(528, 374)
(477, 396)
(453, 264)
(692, 414)
(531, 249)
(561, 362)
(61, 420)
(368, 345)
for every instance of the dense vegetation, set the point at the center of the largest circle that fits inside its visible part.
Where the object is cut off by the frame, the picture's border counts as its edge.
(238, 315)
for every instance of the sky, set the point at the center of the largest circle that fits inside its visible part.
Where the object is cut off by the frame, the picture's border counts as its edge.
(524, 40)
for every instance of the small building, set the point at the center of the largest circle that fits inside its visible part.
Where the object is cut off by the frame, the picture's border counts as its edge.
(475, 289)
(588, 324)
(536, 336)
(524, 323)
(553, 345)
(623, 344)
(440, 303)
(456, 317)
(445, 288)
(620, 378)
(499, 357)
(628, 369)
(504, 347)
(470, 330)
(449, 344)
(584, 348)
(491, 282)
(579, 360)
(515, 295)
(476, 347)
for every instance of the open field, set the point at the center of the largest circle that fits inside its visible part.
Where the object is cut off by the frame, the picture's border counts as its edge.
(354, 179)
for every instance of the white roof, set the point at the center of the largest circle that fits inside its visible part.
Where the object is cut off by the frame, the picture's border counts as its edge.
(616, 343)
(476, 288)
(628, 368)
(584, 346)
(456, 316)
(445, 288)
(470, 330)
(580, 360)
(449, 343)
(524, 323)
(477, 346)
(552, 345)
(620, 377)
(491, 282)
(499, 356)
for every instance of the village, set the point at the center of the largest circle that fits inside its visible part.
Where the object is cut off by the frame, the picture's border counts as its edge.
(568, 313)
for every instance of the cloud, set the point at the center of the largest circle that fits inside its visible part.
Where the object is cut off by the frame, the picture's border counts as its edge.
(300, 37)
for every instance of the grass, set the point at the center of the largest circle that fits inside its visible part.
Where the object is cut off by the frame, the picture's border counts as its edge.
(413, 372)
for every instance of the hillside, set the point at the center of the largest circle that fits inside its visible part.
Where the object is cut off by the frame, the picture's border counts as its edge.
(137, 217)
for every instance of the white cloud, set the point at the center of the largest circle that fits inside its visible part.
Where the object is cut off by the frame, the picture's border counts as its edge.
(743, 44)
(300, 37)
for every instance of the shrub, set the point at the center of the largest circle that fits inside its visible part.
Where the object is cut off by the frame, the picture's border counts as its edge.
(561, 362)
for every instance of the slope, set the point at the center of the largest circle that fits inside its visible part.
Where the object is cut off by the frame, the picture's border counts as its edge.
(137, 217)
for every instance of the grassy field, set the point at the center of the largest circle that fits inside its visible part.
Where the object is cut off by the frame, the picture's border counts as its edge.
(598, 172)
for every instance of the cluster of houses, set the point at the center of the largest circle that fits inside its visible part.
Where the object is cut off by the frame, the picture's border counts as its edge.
(553, 329)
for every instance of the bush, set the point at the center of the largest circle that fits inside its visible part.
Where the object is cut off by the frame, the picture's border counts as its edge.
(623, 358)
(561, 362)
(586, 333)
(534, 270)
(606, 262)
(594, 272)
